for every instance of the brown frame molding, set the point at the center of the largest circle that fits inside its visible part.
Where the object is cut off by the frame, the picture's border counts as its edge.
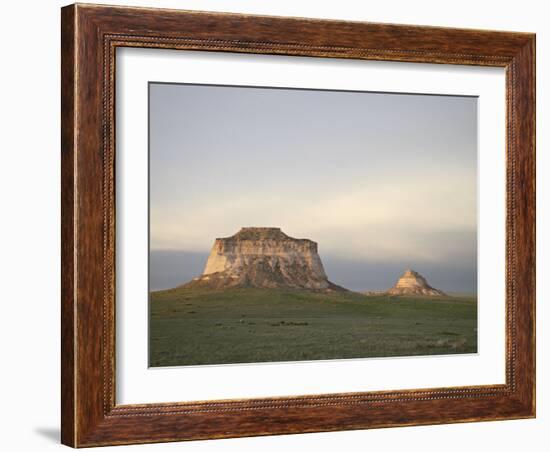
(90, 35)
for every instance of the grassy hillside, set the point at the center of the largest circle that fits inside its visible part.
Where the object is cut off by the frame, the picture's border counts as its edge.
(193, 326)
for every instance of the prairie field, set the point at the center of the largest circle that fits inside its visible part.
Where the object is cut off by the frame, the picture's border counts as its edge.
(247, 325)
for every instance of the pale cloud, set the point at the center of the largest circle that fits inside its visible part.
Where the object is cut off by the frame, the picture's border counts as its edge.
(391, 220)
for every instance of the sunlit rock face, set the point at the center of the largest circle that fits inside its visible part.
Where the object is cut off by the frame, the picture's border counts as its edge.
(412, 283)
(264, 258)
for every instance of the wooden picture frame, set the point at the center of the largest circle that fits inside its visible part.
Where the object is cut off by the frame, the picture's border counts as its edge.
(90, 36)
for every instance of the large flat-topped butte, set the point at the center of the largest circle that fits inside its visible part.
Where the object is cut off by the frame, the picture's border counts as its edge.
(264, 257)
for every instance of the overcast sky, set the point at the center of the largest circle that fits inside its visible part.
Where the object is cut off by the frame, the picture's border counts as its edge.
(381, 182)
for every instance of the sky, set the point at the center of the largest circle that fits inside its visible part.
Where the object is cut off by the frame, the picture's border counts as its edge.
(382, 182)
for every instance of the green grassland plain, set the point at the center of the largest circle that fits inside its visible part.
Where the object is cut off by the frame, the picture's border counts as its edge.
(246, 325)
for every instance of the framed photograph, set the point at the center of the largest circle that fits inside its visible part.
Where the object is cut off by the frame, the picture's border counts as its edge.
(280, 225)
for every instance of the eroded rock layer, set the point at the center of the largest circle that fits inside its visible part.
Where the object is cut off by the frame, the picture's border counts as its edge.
(264, 258)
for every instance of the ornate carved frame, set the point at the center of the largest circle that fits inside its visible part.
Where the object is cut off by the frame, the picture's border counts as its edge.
(90, 35)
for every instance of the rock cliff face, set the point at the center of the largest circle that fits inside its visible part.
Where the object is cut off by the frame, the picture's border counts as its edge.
(265, 258)
(412, 283)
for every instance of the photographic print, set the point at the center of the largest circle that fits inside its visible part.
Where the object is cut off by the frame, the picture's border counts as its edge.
(298, 224)
(277, 225)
